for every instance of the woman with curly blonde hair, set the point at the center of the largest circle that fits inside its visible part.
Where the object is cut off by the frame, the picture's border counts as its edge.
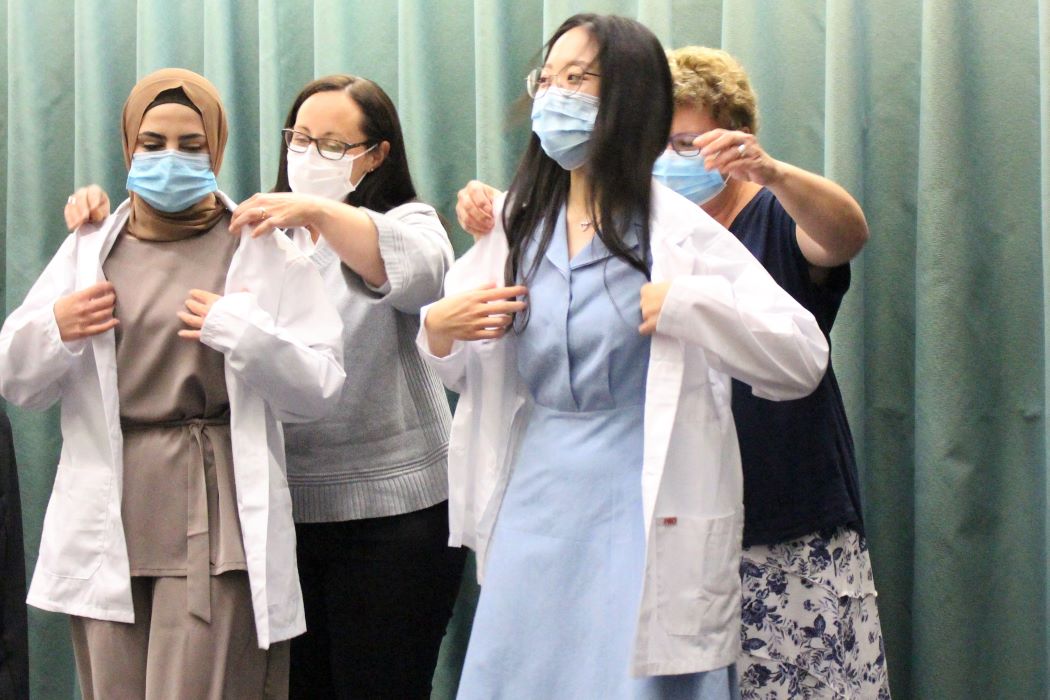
(810, 622)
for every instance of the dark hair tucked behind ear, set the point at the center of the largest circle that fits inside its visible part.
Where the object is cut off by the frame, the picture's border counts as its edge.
(390, 184)
(634, 118)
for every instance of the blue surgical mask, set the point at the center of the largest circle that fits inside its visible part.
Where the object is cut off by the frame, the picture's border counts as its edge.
(564, 121)
(687, 176)
(171, 181)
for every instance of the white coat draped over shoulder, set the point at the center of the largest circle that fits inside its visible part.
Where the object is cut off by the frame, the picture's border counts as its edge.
(723, 317)
(282, 342)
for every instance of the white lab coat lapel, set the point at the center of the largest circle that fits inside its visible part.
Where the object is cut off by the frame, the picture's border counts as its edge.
(92, 249)
(492, 412)
(252, 269)
(664, 379)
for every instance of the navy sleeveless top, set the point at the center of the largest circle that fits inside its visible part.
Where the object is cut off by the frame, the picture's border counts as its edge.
(800, 472)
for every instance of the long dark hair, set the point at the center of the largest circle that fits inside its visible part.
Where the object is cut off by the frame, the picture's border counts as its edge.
(390, 184)
(630, 131)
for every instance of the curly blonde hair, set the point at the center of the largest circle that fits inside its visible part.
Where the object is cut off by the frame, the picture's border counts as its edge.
(711, 78)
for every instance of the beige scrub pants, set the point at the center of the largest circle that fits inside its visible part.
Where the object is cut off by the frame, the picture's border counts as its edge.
(167, 653)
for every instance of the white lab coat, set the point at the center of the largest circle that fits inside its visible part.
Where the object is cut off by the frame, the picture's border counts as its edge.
(282, 342)
(723, 317)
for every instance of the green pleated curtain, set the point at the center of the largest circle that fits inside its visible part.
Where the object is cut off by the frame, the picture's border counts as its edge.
(934, 114)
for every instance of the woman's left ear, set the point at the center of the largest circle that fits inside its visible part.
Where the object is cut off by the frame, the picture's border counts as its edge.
(379, 155)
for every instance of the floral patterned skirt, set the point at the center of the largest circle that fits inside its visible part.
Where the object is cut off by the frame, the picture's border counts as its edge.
(810, 622)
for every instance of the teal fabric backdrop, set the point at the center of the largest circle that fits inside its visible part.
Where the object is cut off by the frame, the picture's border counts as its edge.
(934, 114)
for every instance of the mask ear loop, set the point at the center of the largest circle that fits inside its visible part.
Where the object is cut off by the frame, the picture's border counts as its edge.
(352, 159)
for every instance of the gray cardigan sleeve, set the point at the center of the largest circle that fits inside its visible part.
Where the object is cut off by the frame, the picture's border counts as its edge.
(416, 252)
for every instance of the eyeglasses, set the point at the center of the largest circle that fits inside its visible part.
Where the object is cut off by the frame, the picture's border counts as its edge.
(570, 78)
(332, 149)
(682, 144)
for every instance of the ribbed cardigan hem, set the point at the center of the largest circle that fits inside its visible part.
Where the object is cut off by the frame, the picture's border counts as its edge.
(376, 498)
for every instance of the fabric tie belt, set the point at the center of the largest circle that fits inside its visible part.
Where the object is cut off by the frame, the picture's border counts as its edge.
(198, 545)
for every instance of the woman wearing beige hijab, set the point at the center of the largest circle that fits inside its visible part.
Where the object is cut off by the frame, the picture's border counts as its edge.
(174, 351)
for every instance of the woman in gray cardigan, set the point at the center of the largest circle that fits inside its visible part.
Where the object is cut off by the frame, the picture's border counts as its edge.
(369, 483)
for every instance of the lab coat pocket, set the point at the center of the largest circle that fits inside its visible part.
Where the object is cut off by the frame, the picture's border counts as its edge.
(76, 522)
(697, 573)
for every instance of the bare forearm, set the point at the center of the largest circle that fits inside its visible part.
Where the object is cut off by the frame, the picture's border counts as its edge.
(352, 234)
(440, 344)
(833, 227)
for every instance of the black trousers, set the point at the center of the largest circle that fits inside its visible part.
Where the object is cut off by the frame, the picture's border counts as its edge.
(378, 593)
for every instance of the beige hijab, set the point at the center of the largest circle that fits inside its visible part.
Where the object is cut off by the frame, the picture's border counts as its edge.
(145, 221)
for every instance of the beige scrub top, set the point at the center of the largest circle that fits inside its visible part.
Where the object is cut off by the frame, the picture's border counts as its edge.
(179, 502)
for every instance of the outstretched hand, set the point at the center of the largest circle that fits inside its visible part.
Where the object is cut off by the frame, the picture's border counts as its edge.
(653, 295)
(474, 208)
(482, 314)
(88, 205)
(86, 312)
(737, 154)
(198, 305)
(267, 211)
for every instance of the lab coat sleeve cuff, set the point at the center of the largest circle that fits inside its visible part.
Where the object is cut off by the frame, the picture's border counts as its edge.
(773, 344)
(228, 320)
(68, 350)
(678, 317)
(451, 368)
(34, 358)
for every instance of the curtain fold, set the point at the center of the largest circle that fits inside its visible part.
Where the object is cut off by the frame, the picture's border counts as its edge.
(285, 65)
(1044, 180)
(230, 60)
(935, 115)
(847, 84)
(978, 398)
(100, 59)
